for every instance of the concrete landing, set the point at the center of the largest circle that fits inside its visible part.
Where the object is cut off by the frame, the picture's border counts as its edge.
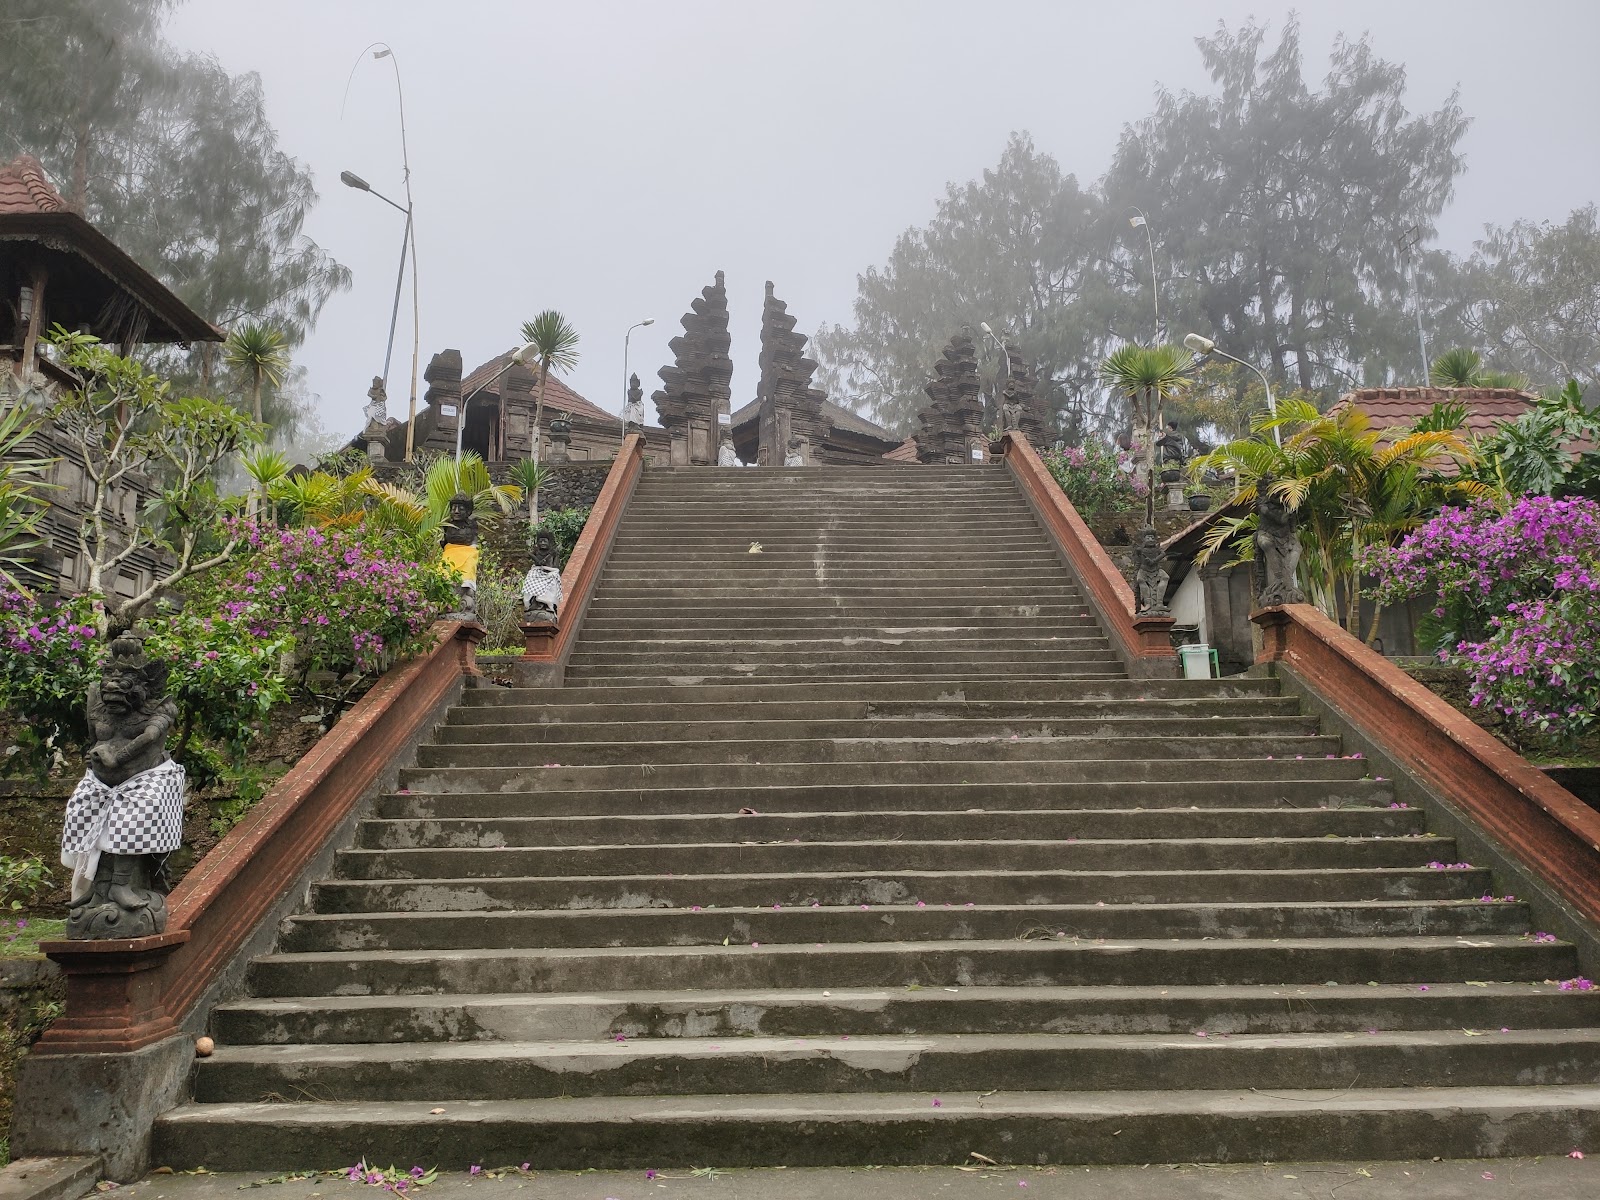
(1501, 1178)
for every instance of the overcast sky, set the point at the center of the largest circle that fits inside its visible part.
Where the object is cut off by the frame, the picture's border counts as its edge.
(607, 157)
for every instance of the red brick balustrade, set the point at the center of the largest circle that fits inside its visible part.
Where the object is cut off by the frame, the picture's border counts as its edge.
(1143, 643)
(583, 568)
(1553, 832)
(125, 994)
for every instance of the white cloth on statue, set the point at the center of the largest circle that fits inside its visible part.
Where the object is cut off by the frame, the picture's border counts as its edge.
(727, 456)
(633, 412)
(142, 815)
(544, 585)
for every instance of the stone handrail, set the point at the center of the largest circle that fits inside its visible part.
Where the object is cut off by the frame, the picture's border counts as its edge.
(1143, 643)
(129, 993)
(1549, 829)
(588, 557)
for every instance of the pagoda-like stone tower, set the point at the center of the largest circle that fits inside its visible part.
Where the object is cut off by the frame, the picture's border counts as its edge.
(950, 429)
(696, 389)
(792, 424)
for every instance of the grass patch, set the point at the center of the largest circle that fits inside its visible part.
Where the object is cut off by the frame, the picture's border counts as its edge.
(20, 938)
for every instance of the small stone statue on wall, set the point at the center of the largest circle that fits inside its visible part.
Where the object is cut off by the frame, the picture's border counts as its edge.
(126, 814)
(541, 586)
(1150, 575)
(459, 540)
(1277, 549)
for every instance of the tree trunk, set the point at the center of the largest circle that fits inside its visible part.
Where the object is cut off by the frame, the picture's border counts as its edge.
(538, 410)
(255, 394)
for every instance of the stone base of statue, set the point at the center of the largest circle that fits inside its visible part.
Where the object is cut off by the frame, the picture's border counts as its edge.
(1175, 497)
(121, 902)
(115, 840)
(538, 634)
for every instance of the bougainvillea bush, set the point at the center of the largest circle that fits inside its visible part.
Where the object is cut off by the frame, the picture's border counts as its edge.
(1518, 599)
(1094, 479)
(49, 655)
(348, 603)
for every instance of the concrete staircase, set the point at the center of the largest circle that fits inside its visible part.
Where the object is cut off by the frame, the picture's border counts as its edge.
(864, 849)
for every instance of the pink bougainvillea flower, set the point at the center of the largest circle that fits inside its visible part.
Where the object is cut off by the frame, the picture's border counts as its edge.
(651, 1173)
(937, 1103)
(1575, 1154)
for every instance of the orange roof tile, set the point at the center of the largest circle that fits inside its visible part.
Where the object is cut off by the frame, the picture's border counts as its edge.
(906, 451)
(558, 397)
(1398, 408)
(25, 188)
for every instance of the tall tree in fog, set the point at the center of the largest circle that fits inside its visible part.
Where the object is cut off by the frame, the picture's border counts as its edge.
(1278, 208)
(1018, 250)
(169, 155)
(1528, 299)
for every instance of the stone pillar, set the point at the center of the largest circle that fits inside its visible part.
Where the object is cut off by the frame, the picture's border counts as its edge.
(517, 435)
(444, 392)
(790, 407)
(377, 414)
(697, 386)
(953, 422)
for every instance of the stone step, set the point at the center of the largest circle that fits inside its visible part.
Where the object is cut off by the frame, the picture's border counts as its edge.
(810, 1130)
(1344, 961)
(1146, 854)
(852, 889)
(312, 933)
(892, 797)
(555, 713)
(937, 690)
(556, 776)
(857, 1012)
(576, 729)
(822, 614)
(590, 677)
(967, 749)
(804, 654)
(1016, 824)
(598, 630)
(933, 1063)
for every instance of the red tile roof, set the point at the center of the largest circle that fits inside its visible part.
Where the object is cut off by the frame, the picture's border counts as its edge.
(25, 188)
(1399, 408)
(558, 397)
(906, 451)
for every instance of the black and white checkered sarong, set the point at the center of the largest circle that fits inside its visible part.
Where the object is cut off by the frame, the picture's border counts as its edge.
(143, 815)
(544, 585)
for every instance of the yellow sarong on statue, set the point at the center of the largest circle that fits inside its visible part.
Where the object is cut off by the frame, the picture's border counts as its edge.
(465, 560)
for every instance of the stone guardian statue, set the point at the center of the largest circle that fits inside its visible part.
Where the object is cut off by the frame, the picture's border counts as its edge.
(1150, 574)
(126, 814)
(459, 543)
(1277, 549)
(541, 586)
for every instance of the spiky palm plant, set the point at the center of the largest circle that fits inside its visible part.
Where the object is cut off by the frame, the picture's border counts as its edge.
(530, 475)
(1458, 368)
(1349, 490)
(261, 353)
(1156, 374)
(265, 467)
(556, 347)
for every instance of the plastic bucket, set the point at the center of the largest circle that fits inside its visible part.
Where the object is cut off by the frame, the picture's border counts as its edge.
(1196, 661)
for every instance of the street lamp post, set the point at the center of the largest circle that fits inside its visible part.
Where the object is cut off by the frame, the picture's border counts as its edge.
(625, 339)
(384, 50)
(1204, 345)
(1142, 222)
(351, 180)
(518, 356)
(1005, 359)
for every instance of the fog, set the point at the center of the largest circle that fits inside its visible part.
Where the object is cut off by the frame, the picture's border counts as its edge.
(606, 159)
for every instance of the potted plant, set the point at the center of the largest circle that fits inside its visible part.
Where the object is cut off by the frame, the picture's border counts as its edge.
(561, 424)
(1171, 475)
(1199, 499)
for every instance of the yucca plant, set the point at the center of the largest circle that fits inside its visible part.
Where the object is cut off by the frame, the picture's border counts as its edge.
(1156, 374)
(265, 467)
(261, 353)
(530, 475)
(556, 347)
(1458, 368)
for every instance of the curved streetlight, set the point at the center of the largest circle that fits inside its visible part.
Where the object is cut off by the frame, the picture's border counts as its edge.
(518, 356)
(1204, 345)
(384, 50)
(625, 340)
(351, 180)
(1142, 222)
(1005, 358)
